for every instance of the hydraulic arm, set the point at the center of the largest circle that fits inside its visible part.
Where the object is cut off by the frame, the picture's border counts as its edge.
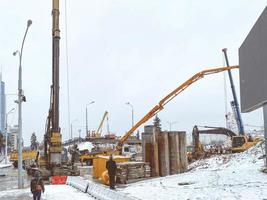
(169, 97)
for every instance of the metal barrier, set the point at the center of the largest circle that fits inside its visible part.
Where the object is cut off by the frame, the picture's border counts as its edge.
(96, 190)
(78, 183)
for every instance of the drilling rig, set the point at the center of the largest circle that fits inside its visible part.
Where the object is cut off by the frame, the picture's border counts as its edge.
(52, 157)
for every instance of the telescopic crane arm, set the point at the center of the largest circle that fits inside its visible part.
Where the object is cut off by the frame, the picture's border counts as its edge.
(234, 103)
(99, 130)
(169, 97)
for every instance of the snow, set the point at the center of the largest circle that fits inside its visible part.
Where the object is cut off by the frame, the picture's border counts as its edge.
(5, 165)
(235, 176)
(85, 145)
(52, 192)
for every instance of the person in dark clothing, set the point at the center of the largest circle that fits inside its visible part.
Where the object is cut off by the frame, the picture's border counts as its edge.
(112, 168)
(37, 186)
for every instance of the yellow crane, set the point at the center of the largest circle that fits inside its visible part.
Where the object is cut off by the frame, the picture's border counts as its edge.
(99, 129)
(157, 108)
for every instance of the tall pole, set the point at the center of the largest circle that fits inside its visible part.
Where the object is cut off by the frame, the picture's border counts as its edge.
(86, 121)
(86, 117)
(170, 124)
(19, 101)
(6, 134)
(71, 126)
(129, 104)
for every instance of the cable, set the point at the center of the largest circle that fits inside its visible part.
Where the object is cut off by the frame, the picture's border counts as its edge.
(67, 63)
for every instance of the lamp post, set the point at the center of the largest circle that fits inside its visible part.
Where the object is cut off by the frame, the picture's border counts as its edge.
(71, 126)
(21, 98)
(86, 117)
(170, 124)
(6, 133)
(129, 104)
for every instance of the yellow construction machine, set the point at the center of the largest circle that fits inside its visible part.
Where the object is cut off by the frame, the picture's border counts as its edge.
(26, 155)
(239, 143)
(157, 108)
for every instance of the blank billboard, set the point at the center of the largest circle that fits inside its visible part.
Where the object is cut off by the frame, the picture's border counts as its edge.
(253, 66)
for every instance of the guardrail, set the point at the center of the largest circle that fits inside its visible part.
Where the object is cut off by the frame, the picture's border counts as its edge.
(94, 189)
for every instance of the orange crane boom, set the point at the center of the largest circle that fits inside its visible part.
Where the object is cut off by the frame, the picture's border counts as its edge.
(169, 97)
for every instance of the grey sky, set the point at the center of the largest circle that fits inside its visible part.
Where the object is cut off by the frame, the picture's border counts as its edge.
(122, 51)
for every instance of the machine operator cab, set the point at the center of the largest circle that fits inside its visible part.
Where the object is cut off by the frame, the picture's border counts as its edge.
(241, 143)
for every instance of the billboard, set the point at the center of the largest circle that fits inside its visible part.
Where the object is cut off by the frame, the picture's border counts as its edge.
(253, 66)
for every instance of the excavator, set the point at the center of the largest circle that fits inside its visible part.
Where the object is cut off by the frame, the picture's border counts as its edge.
(241, 141)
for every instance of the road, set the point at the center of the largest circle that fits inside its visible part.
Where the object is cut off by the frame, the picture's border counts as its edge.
(9, 191)
(9, 179)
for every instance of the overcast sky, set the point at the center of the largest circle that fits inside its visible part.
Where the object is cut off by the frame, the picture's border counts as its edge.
(125, 50)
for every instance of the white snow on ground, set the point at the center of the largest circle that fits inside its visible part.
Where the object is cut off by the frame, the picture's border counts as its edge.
(5, 165)
(235, 176)
(85, 145)
(52, 192)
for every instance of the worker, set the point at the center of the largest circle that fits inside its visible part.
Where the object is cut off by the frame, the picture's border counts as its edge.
(37, 186)
(75, 153)
(112, 168)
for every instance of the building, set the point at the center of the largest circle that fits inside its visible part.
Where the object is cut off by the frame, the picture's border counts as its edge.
(2, 105)
(13, 137)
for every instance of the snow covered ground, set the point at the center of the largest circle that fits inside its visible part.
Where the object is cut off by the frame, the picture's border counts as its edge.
(235, 176)
(52, 192)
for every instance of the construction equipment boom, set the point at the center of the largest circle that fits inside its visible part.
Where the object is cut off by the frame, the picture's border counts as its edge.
(52, 139)
(234, 103)
(169, 97)
(99, 129)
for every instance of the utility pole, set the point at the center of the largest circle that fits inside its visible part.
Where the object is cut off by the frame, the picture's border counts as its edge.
(129, 104)
(86, 117)
(21, 98)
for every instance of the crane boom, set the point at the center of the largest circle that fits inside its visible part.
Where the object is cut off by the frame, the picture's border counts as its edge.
(99, 130)
(169, 97)
(234, 103)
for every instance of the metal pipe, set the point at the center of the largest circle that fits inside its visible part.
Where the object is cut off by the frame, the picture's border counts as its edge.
(20, 95)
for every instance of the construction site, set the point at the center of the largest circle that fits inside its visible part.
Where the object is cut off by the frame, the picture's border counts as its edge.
(195, 133)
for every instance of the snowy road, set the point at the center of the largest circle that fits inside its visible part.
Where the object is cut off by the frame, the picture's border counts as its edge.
(52, 192)
(9, 178)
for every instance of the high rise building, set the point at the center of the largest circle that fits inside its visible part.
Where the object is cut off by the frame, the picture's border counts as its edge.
(13, 138)
(2, 105)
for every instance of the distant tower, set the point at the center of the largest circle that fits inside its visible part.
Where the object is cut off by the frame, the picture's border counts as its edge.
(2, 104)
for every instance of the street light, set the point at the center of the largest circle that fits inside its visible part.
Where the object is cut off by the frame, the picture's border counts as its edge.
(128, 103)
(71, 126)
(170, 124)
(6, 133)
(86, 117)
(21, 98)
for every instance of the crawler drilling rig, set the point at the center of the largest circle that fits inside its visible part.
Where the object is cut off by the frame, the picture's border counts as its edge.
(52, 158)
